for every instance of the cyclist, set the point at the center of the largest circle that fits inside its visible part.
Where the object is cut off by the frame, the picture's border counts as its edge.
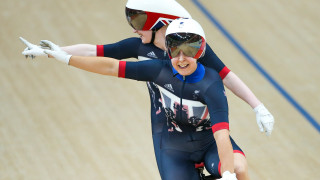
(193, 97)
(149, 20)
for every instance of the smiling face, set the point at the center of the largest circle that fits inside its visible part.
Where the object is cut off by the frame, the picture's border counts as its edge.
(183, 64)
(144, 35)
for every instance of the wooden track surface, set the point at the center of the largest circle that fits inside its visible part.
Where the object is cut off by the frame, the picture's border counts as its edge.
(58, 122)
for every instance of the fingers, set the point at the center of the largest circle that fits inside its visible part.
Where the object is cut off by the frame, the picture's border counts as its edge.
(260, 125)
(268, 133)
(28, 53)
(27, 43)
(34, 50)
(269, 128)
(44, 43)
(265, 119)
(44, 46)
(261, 128)
(51, 45)
(26, 49)
(31, 56)
(268, 123)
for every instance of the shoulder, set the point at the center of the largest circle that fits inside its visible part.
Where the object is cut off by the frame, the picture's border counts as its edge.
(210, 59)
(152, 63)
(211, 74)
(209, 53)
(131, 40)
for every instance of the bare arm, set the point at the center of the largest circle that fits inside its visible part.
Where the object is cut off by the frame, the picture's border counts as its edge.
(81, 49)
(225, 150)
(239, 88)
(100, 65)
(264, 118)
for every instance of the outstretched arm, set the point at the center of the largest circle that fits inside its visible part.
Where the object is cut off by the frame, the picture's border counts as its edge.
(81, 50)
(142, 71)
(100, 65)
(77, 49)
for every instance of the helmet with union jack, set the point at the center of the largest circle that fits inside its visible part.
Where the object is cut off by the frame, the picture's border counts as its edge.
(153, 14)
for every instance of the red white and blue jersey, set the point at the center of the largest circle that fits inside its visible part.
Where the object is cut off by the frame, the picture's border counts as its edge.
(192, 103)
(134, 48)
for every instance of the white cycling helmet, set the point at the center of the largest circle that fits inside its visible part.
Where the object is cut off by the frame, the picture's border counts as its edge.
(185, 35)
(153, 14)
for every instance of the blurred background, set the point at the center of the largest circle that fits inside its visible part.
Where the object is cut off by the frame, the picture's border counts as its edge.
(59, 122)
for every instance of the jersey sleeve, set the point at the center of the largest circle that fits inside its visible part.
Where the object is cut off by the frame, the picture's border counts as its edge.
(140, 70)
(127, 48)
(217, 104)
(211, 60)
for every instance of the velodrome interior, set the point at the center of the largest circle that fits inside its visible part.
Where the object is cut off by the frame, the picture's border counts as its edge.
(59, 122)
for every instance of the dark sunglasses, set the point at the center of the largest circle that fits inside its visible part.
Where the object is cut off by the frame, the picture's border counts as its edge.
(192, 45)
(136, 18)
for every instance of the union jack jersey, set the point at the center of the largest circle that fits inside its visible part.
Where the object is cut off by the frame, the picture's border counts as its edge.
(192, 103)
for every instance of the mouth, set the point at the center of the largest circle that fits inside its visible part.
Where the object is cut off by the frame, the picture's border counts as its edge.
(183, 66)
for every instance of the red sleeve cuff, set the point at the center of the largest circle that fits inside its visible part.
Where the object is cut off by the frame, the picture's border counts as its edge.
(219, 126)
(238, 151)
(100, 50)
(224, 72)
(122, 69)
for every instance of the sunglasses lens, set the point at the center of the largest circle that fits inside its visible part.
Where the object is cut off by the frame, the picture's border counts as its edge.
(136, 18)
(190, 44)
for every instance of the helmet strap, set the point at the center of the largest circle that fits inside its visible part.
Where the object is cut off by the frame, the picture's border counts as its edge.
(153, 36)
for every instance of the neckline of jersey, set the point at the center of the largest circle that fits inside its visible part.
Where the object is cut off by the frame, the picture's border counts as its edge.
(196, 76)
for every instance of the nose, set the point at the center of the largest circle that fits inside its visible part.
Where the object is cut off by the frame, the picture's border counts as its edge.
(135, 31)
(181, 56)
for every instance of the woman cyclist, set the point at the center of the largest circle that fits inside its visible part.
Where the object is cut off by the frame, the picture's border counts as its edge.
(149, 19)
(193, 98)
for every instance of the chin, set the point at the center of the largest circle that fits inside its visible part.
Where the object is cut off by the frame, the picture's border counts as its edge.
(144, 41)
(184, 73)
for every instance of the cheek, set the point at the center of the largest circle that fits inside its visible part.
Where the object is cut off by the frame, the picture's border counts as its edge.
(193, 64)
(174, 62)
(194, 67)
